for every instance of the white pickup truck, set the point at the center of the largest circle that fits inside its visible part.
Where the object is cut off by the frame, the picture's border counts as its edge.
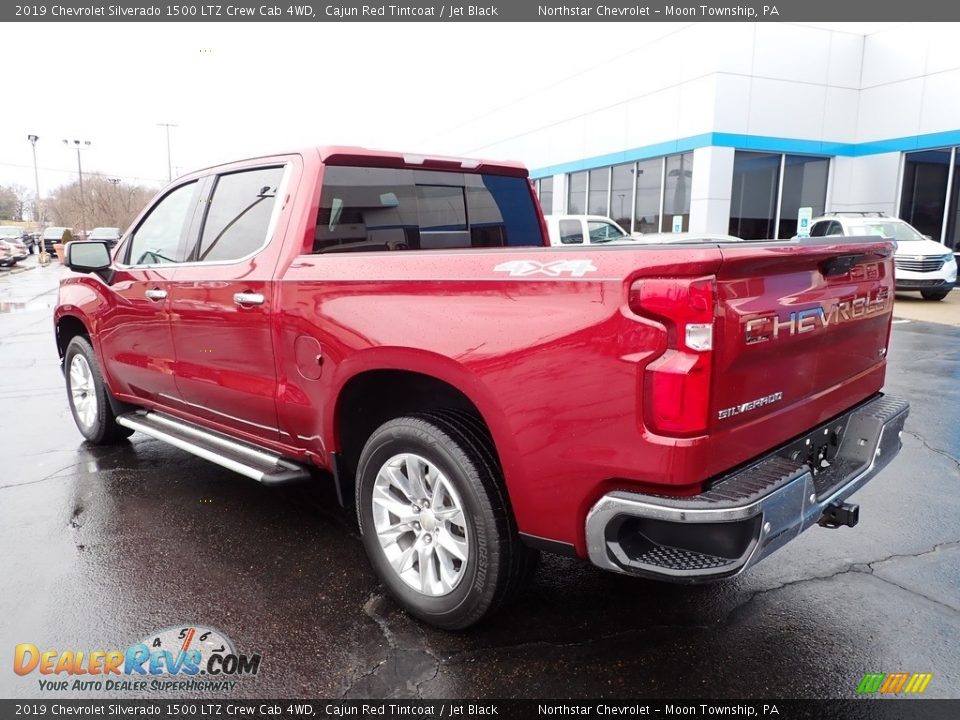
(585, 230)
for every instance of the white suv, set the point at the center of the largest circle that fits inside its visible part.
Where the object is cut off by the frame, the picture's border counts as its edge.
(921, 263)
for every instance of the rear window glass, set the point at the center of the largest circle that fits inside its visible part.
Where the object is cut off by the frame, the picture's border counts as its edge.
(368, 209)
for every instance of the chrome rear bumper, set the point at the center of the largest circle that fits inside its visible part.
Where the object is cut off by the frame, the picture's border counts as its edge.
(750, 513)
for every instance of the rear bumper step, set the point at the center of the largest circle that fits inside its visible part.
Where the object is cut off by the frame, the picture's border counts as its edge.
(261, 465)
(752, 512)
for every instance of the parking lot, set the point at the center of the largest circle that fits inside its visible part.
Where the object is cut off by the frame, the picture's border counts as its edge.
(104, 546)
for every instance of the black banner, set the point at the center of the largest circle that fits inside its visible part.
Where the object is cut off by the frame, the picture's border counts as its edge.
(479, 11)
(866, 709)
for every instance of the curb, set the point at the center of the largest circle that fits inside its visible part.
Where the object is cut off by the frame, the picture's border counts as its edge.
(15, 270)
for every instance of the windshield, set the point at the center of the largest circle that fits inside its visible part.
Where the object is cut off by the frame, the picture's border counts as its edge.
(53, 232)
(104, 233)
(887, 229)
(10, 232)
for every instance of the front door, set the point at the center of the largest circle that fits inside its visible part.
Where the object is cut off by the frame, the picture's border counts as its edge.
(221, 305)
(134, 334)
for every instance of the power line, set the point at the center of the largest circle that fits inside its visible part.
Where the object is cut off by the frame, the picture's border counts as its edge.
(98, 172)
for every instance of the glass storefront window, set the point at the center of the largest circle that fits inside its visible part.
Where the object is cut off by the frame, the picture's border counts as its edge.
(577, 193)
(621, 194)
(599, 187)
(753, 203)
(647, 211)
(952, 237)
(676, 193)
(634, 194)
(804, 185)
(545, 190)
(924, 194)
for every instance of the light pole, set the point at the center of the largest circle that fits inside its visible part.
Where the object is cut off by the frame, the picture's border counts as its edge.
(78, 144)
(167, 127)
(42, 257)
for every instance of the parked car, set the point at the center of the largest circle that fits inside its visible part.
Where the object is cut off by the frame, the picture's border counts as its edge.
(109, 235)
(18, 235)
(584, 230)
(17, 249)
(6, 256)
(921, 263)
(53, 235)
(400, 323)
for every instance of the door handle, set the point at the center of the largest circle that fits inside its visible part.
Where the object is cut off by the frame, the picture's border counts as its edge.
(248, 298)
(156, 294)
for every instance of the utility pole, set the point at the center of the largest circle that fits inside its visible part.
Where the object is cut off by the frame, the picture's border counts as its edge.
(167, 127)
(36, 177)
(78, 144)
(42, 257)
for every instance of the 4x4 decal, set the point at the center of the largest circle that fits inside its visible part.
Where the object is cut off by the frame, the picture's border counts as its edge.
(525, 268)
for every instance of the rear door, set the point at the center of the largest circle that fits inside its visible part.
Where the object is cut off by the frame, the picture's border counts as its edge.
(221, 302)
(797, 322)
(134, 333)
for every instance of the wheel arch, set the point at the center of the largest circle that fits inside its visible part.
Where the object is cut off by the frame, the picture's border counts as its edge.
(376, 392)
(67, 328)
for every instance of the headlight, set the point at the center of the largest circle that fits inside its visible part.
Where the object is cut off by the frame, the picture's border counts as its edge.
(947, 259)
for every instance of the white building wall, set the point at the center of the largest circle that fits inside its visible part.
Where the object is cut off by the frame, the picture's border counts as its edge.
(767, 86)
(710, 189)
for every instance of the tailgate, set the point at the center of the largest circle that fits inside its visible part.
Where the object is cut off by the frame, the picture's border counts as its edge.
(795, 322)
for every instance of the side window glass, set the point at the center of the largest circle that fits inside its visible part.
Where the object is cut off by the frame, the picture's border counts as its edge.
(238, 215)
(819, 229)
(834, 229)
(571, 232)
(601, 232)
(157, 239)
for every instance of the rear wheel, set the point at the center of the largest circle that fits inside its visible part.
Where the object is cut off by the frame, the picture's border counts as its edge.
(435, 520)
(88, 395)
(934, 294)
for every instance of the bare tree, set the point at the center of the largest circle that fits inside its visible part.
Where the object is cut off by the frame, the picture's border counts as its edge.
(14, 201)
(107, 202)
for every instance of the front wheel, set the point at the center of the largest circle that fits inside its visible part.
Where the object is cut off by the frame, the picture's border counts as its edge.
(934, 294)
(435, 520)
(87, 393)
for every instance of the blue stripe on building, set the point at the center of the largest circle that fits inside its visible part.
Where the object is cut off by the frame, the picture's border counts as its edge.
(758, 143)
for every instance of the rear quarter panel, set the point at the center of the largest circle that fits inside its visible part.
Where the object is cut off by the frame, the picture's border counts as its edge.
(552, 363)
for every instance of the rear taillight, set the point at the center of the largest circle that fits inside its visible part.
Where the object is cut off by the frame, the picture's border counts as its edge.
(676, 386)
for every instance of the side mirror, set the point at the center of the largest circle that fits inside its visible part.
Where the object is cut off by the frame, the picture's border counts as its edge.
(90, 256)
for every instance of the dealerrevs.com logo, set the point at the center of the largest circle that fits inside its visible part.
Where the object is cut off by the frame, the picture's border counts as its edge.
(177, 658)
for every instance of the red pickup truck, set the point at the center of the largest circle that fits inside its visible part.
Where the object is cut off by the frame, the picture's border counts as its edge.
(398, 324)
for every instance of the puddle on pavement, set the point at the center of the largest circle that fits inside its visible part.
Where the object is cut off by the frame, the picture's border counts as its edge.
(14, 307)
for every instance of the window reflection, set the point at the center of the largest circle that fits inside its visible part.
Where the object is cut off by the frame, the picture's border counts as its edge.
(599, 186)
(577, 194)
(647, 215)
(923, 198)
(753, 202)
(804, 185)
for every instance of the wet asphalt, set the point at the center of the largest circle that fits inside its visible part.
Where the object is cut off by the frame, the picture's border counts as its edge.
(100, 547)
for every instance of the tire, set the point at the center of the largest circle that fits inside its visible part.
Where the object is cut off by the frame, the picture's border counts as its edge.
(934, 295)
(461, 565)
(88, 395)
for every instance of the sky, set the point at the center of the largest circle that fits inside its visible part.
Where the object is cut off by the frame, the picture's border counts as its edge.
(234, 90)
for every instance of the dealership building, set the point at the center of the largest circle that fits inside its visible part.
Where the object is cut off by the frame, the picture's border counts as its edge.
(731, 128)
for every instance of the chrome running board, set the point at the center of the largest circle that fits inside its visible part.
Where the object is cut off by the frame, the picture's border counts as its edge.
(248, 460)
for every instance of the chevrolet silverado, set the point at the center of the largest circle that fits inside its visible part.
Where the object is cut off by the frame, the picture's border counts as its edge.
(399, 326)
